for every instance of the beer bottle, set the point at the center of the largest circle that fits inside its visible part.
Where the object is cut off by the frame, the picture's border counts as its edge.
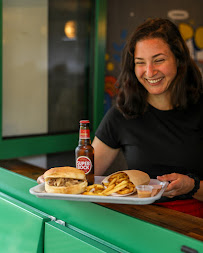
(84, 152)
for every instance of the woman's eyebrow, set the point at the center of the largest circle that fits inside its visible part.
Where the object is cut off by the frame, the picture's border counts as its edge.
(138, 58)
(154, 56)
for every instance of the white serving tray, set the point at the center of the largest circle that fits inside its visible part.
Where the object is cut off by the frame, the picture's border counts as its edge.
(39, 192)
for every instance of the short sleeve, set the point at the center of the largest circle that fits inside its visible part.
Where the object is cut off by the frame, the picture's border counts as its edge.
(108, 130)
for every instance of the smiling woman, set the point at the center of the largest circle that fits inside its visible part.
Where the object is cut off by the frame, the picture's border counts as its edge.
(158, 118)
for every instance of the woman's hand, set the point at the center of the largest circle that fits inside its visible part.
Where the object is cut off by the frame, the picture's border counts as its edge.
(40, 179)
(178, 184)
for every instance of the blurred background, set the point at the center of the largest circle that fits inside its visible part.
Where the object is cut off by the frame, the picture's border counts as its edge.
(59, 64)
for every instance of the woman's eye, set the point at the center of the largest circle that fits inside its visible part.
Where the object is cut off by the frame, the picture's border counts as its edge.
(139, 63)
(159, 60)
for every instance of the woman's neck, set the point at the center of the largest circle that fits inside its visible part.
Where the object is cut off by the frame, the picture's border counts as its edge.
(160, 102)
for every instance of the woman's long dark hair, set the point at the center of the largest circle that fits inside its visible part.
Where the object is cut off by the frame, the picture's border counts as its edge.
(185, 88)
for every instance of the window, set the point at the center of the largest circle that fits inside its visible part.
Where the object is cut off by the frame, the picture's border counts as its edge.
(50, 78)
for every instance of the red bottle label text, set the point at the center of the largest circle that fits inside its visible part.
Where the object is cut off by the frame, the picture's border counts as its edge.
(84, 163)
(84, 134)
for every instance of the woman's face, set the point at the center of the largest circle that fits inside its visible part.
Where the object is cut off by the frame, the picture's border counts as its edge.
(155, 65)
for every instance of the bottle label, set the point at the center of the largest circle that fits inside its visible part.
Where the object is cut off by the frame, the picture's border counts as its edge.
(84, 163)
(84, 134)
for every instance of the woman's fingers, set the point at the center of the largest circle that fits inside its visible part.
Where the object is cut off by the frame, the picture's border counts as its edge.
(40, 179)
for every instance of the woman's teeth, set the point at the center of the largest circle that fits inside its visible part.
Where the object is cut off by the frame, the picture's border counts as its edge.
(154, 81)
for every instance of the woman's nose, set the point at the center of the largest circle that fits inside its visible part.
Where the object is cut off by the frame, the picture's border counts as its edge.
(150, 70)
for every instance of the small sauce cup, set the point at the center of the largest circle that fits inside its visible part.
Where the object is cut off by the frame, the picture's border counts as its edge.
(144, 191)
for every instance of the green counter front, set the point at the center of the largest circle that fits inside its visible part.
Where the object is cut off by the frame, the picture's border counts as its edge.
(47, 225)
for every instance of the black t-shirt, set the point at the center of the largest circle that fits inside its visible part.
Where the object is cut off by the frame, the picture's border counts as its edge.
(159, 142)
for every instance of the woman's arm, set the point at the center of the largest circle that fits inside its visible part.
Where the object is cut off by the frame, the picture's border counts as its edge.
(199, 194)
(103, 156)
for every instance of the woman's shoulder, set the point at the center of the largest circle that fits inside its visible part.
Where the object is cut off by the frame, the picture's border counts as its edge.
(198, 104)
(114, 112)
(113, 117)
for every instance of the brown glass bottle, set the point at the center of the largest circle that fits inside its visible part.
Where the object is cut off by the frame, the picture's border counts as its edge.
(84, 153)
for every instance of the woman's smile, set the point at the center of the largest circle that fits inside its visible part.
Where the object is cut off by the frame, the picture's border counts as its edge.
(154, 81)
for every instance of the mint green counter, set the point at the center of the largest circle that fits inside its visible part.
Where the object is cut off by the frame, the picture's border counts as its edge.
(31, 224)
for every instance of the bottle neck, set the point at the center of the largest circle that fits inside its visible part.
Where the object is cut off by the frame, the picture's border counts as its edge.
(84, 142)
(84, 135)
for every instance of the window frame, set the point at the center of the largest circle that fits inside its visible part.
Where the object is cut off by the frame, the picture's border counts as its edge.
(38, 145)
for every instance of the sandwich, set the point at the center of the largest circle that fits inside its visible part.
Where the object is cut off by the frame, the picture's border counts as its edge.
(65, 180)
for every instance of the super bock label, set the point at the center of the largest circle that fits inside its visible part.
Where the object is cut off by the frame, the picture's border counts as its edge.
(84, 163)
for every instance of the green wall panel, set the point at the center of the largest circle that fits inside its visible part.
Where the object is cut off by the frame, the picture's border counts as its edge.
(60, 239)
(22, 227)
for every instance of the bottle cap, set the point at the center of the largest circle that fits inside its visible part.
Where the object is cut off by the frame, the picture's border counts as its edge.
(84, 121)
